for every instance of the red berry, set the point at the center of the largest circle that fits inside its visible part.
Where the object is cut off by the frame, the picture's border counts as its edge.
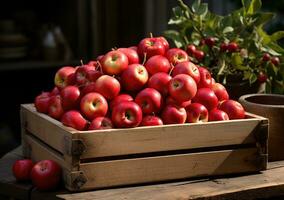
(262, 77)
(275, 61)
(210, 41)
(265, 57)
(233, 47)
(223, 46)
(199, 55)
(191, 49)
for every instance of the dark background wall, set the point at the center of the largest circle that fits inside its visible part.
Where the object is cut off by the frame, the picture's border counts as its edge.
(29, 59)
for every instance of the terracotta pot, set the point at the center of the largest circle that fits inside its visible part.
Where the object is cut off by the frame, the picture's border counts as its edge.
(270, 106)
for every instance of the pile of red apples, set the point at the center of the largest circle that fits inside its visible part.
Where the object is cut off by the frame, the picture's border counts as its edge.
(145, 85)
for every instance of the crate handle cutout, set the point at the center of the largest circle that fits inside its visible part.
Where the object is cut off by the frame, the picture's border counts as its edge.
(78, 179)
(74, 147)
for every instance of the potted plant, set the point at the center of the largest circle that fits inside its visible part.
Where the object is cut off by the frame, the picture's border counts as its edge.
(235, 48)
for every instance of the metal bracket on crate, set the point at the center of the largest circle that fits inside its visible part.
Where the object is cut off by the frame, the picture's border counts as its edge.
(74, 147)
(78, 179)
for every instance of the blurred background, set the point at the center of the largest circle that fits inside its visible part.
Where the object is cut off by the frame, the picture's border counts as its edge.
(38, 37)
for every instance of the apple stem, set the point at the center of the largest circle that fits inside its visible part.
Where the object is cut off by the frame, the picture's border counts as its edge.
(100, 67)
(144, 58)
(114, 48)
(170, 72)
(153, 114)
(151, 35)
(81, 61)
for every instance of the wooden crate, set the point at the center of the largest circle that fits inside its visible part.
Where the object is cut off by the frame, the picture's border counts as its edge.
(107, 158)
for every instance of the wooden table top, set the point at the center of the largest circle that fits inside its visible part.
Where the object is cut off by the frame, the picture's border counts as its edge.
(267, 184)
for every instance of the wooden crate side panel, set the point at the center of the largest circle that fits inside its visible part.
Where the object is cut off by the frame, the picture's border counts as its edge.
(153, 169)
(165, 138)
(45, 128)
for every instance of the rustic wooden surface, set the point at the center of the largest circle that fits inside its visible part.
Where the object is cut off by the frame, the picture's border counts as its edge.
(268, 184)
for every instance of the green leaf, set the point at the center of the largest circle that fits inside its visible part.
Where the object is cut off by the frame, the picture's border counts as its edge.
(236, 60)
(262, 18)
(274, 46)
(265, 37)
(252, 78)
(228, 29)
(176, 37)
(195, 6)
(277, 35)
(251, 6)
(177, 11)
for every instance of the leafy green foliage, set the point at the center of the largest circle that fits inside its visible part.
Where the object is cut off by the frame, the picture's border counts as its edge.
(193, 24)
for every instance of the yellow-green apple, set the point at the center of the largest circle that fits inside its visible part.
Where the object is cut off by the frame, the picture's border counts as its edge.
(205, 78)
(64, 76)
(93, 105)
(196, 113)
(131, 54)
(120, 98)
(176, 55)
(150, 47)
(157, 64)
(188, 68)
(164, 42)
(55, 109)
(220, 91)
(233, 109)
(126, 115)
(42, 102)
(114, 62)
(172, 114)
(218, 115)
(134, 77)
(206, 97)
(150, 100)
(74, 119)
(107, 86)
(150, 120)
(70, 97)
(160, 82)
(100, 123)
(182, 88)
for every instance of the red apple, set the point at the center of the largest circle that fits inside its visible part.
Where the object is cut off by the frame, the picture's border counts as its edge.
(173, 115)
(196, 113)
(164, 42)
(22, 169)
(206, 97)
(120, 98)
(150, 100)
(100, 123)
(107, 86)
(233, 109)
(188, 68)
(182, 88)
(126, 115)
(55, 109)
(55, 91)
(171, 101)
(70, 96)
(157, 64)
(150, 47)
(131, 54)
(93, 105)
(81, 74)
(150, 120)
(160, 82)
(275, 60)
(46, 175)
(42, 102)
(205, 78)
(191, 49)
(93, 75)
(135, 48)
(114, 62)
(199, 55)
(134, 77)
(220, 91)
(176, 56)
(88, 88)
(64, 76)
(74, 119)
(233, 47)
(218, 115)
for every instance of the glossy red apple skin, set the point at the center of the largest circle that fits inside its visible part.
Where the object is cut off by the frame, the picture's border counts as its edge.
(149, 100)
(188, 68)
(131, 54)
(176, 56)
(218, 115)
(191, 49)
(135, 48)
(134, 78)
(171, 101)
(81, 74)
(150, 120)
(41, 102)
(114, 62)
(22, 169)
(70, 96)
(205, 78)
(126, 115)
(206, 97)
(88, 88)
(173, 115)
(74, 119)
(164, 42)
(160, 82)
(64, 76)
(233, 109)
(182, 88)
(101, 123)
(196, 113)
(55, 109)
(107, 86)
(93, 105)
(46, 175)
(54, 91)
(120, 98)
(220, 91)
(157, 64)
(150, 47)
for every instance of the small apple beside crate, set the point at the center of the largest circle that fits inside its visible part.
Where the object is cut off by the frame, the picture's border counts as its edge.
(116, 157)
